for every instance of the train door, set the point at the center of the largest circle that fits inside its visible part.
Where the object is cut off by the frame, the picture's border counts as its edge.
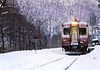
(74, 35)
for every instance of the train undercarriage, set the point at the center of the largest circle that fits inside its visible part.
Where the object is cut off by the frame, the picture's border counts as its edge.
(76, 48)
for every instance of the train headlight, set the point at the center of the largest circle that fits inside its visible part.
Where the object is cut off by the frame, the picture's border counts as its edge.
(64, 40)
(83, 40)
(74, 24)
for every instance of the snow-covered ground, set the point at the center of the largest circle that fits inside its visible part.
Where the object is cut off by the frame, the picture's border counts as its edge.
(90, 61)
(49, 59)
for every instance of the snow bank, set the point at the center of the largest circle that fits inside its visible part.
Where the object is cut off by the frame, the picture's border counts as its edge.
(89, 61)
(96, 39)
(49, 59)
(27, 60)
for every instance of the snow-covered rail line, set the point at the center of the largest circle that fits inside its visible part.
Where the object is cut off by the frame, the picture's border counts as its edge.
(59, 64)
(71, 63)
(50, 62)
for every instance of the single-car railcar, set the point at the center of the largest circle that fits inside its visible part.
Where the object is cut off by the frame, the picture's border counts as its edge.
(75, 36)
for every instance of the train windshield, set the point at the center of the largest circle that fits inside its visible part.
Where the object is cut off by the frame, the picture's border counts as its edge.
(66, 31)
(82, 31)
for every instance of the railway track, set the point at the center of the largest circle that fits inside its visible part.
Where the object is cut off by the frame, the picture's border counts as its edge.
(71, 63)
(69, 60)
(50, 62)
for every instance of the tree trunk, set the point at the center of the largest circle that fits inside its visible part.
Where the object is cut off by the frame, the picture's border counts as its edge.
(19, 37)
(2, 37)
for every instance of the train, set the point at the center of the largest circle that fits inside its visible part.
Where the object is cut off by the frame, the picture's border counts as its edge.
(74, 36)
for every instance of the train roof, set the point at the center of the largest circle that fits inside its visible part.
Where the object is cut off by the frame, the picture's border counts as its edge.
(78, 23)
(83, 23)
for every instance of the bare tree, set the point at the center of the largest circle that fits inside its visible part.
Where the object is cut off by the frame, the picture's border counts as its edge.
(1, 24)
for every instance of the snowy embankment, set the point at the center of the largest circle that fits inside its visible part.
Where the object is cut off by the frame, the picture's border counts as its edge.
(90, 61)
(49, 59)
(29, 60)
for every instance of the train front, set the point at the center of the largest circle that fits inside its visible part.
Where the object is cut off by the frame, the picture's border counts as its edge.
(74, 36)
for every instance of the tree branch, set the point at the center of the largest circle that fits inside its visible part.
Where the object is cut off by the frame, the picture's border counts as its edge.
(3, 2)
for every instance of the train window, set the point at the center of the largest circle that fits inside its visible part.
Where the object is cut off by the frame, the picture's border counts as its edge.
(82, 31)
(74, 30)
(66, 31)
